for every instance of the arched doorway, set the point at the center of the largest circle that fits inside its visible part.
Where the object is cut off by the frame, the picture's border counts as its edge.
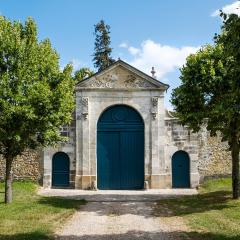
(60, 170)
(180, 170)
(120, 149)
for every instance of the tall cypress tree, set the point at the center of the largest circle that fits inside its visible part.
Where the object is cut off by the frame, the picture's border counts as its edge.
(102, 50)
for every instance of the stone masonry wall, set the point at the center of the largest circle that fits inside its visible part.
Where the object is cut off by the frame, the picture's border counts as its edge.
(67, 147)
(27, 166)
(215, 158)
(180, 138)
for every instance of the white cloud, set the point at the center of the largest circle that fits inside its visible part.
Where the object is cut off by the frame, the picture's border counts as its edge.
(164, 58)
(133, 50)
(123, 45)
(76, 63)
(228, 9)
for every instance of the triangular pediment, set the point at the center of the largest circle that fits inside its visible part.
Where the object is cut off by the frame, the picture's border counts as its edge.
(121, 75)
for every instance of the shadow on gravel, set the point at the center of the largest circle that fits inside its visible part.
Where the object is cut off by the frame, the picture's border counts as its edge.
(138, 235)
(159, 206)
(131, 235)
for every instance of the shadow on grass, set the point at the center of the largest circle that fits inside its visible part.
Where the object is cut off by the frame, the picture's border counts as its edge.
(194, 204)
(59, 202)
(27, 236)
(207, 236)
(133, 235)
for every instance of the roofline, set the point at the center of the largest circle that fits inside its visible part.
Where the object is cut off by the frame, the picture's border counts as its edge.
(121, 61)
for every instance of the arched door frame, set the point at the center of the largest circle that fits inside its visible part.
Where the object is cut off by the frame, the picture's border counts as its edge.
(68, 158)
(144, 135)
(189, 167)
(120, 104)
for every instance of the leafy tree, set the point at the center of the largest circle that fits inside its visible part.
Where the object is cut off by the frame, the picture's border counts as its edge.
(102, 55)
(82, 73)
(36, 98)
(210, 90)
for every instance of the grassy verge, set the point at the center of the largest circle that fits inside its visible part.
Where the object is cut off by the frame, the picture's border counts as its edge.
(31, 216)
(211, 215)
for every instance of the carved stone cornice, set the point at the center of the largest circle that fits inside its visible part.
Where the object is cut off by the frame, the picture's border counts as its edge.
(133, 82)
(120, 81)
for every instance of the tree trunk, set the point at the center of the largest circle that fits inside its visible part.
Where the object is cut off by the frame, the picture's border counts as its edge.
(8, 179)
(235, 167)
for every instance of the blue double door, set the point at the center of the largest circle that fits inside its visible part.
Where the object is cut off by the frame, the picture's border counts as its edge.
(120, 149)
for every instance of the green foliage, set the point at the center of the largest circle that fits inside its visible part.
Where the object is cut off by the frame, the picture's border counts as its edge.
(210, 86)
(102, 51)
(36, 98)
(82, 73)
(210, 90)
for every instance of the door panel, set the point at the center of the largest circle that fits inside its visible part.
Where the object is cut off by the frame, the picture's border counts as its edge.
(60, 170)
(132, 160)
(180, 170)
(108, 160)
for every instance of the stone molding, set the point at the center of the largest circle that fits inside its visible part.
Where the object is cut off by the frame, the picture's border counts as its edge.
(83, 110)
(154, 110)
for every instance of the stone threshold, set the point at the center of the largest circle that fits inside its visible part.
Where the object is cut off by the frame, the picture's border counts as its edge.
(118, 195)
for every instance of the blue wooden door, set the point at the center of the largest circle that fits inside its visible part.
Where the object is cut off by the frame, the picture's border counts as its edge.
(60, 170)
(180, 170)
(120, 149)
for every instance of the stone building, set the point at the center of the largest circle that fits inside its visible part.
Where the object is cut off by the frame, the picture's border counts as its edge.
(122, 137)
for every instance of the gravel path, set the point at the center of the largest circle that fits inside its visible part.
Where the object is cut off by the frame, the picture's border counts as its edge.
(115, 220)
(120, 217)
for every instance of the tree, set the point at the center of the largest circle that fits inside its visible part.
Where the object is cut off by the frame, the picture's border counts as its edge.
(82, 73)
(102, 55)
(36, 98)
(210, 90)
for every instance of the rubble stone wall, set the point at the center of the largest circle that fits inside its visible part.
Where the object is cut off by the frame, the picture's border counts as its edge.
(214, 159)
(26, 166)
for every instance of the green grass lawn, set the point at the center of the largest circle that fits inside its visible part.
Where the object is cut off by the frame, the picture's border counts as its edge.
(31, 216)
(210, 215)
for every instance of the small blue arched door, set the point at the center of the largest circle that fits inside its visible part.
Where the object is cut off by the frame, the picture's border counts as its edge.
(120, 149)
(60, 170)
(180, 170)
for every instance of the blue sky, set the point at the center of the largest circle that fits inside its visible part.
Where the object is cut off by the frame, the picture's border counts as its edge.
(144, 33)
